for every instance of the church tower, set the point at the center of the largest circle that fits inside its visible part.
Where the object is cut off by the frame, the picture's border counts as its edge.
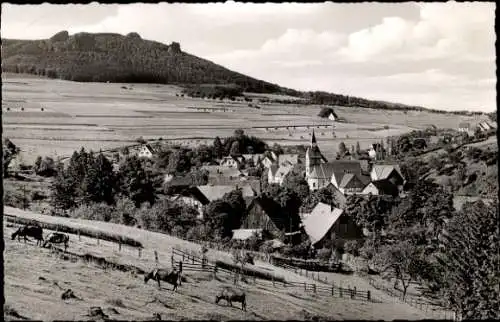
(313, 155)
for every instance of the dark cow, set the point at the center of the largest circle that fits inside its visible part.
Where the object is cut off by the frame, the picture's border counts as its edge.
(31, 231)
(160, 274)
(232, 295)
(57, 238)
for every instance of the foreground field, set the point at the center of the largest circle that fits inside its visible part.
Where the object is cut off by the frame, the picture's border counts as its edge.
(100, 116)
(30, 274)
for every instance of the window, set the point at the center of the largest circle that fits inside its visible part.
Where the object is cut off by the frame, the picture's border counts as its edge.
(314, 184)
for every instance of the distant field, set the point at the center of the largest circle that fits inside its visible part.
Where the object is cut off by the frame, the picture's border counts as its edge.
(100, 115)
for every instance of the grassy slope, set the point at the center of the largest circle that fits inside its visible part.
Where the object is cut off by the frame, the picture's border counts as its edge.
(23, 288)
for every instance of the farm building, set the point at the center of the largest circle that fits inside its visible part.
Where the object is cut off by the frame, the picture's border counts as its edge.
(265, 214)
(389, 172)
(486, 126)
(326, 223)
(176, 184)
(276, 174)
(146, 151)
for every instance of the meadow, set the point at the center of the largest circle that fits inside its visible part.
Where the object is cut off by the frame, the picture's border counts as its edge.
(35, 278)
(51, 117)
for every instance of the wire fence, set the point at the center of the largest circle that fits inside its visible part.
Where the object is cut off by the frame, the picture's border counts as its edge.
(436, 311)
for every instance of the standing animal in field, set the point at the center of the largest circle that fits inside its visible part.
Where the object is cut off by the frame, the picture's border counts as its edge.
(57, 238)
(232, 295)
(31, 231)
(160, 274)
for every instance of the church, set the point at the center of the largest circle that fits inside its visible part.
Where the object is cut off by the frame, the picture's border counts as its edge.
(345, 175)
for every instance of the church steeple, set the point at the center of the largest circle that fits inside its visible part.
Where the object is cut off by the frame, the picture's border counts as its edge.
(313, 139)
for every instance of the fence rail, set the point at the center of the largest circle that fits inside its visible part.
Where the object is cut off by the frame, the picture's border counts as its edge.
(435, 310)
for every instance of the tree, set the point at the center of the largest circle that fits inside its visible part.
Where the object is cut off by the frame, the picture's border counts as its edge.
(401, 259)
(64, 194)
(218, 148)
(9, 152)
(235, 149)
(45, 167)
(296, 182)
(469, 262)
(342, 149)
(358, 148)
(179, 162)
(135, 182)
(99, 182)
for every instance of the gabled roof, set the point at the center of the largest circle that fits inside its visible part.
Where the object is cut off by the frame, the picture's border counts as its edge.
(323, 170)
(178, 181)
(149, 147)
(273, 211)
(382, 171)
(343, 167)
(320, 221)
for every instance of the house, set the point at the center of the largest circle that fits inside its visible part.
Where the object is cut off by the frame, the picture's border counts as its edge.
(231, 161)
(333, 116)
(146, 151)
(326, 223)
(200, 196)
(485, 126)
(264, 213)
(177, 184)
(338, 196)
(466, 128)
(379, 188)
(386, 175)
(288, 159)
(276, 174)
(245, 234)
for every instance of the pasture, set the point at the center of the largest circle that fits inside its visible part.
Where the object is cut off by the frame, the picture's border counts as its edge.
(50, 117)
(36, 277)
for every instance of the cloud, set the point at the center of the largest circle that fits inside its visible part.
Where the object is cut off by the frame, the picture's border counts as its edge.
(459, 31)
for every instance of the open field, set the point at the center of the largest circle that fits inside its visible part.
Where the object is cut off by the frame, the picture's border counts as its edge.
(103, 115)
(39, 298)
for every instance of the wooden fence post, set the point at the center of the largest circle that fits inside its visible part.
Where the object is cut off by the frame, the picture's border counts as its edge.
(273, 279)
(156, 256)
(139, 251)
(368, 296)
(182, 256)
(354, 294)
(97, 239)
(120, 246)
(333, 290)
(79, 238)
(340, 291)
(180, 267)
(314, 288)
(172, 260)
(305, 287)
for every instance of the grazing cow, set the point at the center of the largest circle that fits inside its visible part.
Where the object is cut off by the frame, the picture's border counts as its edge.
(31, 231)
(57, 238)
(232, 295)
(160, 274)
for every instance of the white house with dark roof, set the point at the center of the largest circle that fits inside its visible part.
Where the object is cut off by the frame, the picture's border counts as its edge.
(146, 151)
(384, 176)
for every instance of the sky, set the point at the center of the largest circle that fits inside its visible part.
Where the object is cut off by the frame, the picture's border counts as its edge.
(436, 55)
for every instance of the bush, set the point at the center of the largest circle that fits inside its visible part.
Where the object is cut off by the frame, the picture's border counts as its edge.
(96, 211)
(324, 254)
(353, 247)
